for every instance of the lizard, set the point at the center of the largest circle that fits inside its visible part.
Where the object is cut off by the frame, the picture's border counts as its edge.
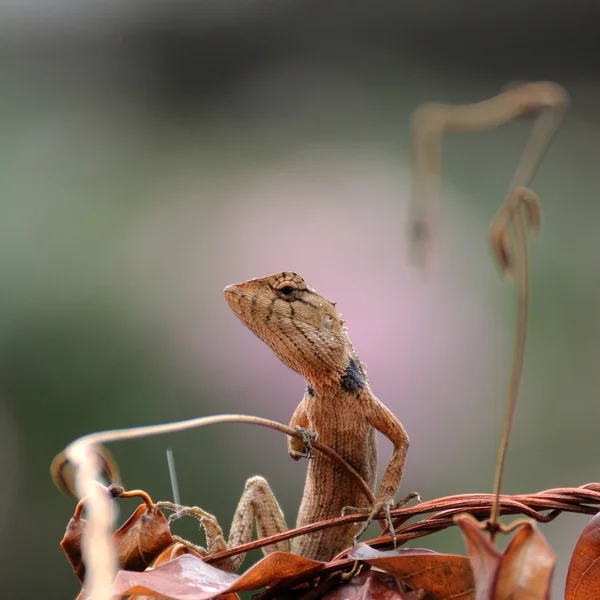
(305, 331)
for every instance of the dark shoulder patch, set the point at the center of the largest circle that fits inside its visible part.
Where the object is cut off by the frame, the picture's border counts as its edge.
(310, 391)
(353, 379)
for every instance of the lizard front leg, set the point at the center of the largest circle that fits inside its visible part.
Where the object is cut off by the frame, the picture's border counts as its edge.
(384, 420)
(258, 503)
(301, 448)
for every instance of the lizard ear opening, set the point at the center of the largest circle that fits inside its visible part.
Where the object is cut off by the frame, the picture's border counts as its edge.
(327, 322)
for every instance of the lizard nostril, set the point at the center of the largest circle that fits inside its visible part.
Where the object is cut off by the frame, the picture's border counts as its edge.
(231, 289)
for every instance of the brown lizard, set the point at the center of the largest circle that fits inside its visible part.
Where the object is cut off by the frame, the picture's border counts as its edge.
(305, 331)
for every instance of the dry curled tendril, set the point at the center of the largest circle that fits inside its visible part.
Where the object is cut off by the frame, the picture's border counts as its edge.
(519, 214)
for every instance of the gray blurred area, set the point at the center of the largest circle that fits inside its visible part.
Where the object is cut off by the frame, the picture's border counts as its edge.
(153, 152)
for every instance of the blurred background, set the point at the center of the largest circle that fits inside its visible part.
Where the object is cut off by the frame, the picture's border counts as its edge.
(154, 152)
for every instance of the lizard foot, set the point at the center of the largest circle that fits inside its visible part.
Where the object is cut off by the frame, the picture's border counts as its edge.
(409, 498)
(308, 437)
(374, 511)
(199, 549)
(212, 529)
(185, 511)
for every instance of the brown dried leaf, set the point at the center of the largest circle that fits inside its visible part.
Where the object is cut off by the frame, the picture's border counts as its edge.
(527, 566)
(186, 577)
(583, 577)
(190, 578)
(523, 571)
(71, 545)
(142, 538)
(139, 540)
(485, 557)
(375, 589)
(274, 568)
(63, 472)
(174, 551)
(444, 575)
(171, 553)
(350, 589)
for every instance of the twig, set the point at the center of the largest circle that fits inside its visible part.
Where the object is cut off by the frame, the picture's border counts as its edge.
(577, 500)
(582, 500)
(549, 101)
(118, 435)
(98, 550)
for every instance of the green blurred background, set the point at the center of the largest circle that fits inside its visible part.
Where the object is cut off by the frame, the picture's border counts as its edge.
(153, 152)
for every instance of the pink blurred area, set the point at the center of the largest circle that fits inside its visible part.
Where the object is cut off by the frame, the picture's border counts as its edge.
(431, 340)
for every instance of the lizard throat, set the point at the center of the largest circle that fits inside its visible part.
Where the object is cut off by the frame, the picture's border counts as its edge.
(353, 380)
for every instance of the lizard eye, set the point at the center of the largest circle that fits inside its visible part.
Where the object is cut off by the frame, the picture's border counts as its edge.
(287, 292)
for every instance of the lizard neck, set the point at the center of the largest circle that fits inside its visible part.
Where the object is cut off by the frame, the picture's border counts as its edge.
(350, 379)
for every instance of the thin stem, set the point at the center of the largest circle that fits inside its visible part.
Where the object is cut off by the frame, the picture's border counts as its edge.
(517, 364)
(431, 121)
(117, 435)
(549, 101)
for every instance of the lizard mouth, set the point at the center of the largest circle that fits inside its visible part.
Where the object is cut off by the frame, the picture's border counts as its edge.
(230, 290)
(240, 303)
(233, 294)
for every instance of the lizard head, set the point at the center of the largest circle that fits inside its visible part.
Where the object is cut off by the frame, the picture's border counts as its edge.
(301, 327)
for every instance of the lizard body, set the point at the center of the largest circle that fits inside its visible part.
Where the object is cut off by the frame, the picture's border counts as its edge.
(305, 331)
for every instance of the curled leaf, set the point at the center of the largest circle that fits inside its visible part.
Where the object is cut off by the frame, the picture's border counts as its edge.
(142, 538)
(172, 552)
(527, 566)
(375, 585)
(71, 545)
(63, 473)
(139, 540)
(583, 577)
(485, 557)
(444, 575)
(524, 570)
(190, 578)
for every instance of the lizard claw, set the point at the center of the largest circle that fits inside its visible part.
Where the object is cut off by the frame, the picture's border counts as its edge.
(409, 498)
(374, 511)
(308, 437)
(348, 510)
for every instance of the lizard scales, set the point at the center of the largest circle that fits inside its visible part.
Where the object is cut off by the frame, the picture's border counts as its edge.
(305, 331)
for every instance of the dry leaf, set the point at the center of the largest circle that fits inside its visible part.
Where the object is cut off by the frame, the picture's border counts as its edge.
(527, 566)
(523, 572)
(375, 589)
(583, 577)
(485, 557)
(142, 538)
(174, 551)
(189, 578)
(139, 540)
(71, 545)
(374, 585)
(63, 472)
(444, 575)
